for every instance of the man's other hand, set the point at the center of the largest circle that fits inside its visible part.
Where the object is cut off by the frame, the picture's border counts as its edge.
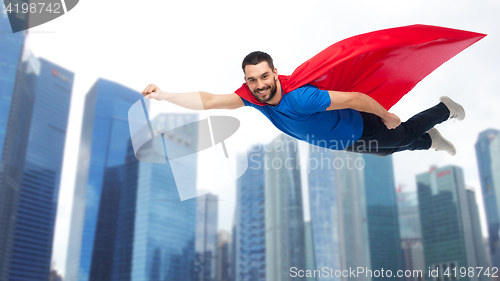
(391, 121)
(153, 92)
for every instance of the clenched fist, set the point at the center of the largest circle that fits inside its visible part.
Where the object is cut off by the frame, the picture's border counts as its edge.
(391, 121)
(153, 92)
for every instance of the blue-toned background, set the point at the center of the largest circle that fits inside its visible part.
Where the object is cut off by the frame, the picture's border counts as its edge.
(75, 202)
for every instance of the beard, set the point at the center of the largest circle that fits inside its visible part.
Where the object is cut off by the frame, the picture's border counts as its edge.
(270, 95)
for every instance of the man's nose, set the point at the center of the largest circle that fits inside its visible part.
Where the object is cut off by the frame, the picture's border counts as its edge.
(260, 84)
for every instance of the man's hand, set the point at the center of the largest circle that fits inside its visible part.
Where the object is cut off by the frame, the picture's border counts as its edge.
(194, 100)
(391, 120)
(153, 92)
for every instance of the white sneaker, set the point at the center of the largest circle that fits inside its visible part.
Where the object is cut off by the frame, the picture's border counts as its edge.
(456, 110)
(440, 143)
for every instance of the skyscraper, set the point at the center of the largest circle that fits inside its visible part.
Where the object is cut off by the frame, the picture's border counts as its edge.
(104, 145)
(355, 247)
(411, 234)
(481, 260)
(491, 192)
(285, 247)
(31, 167)
(446, 223)
(249, 233)
(324, 204)
(382, 214)
(338, 212)
(206, 243)
(309, 249)
(224, 257)
(11, 49)
(165, 227)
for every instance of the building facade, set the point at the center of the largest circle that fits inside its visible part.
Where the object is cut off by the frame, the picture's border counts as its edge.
(285, 233)
(249, 231)
(447, 232)
(491, 192)
(31, 164)
(480, 250)
(104, 146)
(411, 234)
(382, 215)
(11, 50)
(206, 244)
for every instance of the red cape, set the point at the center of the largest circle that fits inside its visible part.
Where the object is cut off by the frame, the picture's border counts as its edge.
(384, 64)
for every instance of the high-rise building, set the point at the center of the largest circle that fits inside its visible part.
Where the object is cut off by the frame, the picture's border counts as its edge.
(491, 192)
(411, 234)
(481, 259)
(309, 249)
(11, 49)
(142, 230)
(104, 145)
(447, 230)
(31, 167)
(338, 212)
(206, 243)
(285, 247)
(165, 227)
(382, 215)
(324, 205)
(12, 73)
(125, 211)
(354, 233)
(249, 232)
(224, 257)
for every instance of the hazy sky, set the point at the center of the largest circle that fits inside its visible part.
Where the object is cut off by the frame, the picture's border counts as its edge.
(187, 46)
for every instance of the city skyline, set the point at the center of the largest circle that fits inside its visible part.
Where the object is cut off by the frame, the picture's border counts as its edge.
(33, 126)
(87, 73)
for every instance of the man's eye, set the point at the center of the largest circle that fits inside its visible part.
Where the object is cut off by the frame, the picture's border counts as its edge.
(265, 76)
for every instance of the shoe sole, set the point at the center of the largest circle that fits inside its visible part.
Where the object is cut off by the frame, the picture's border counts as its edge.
(459, 107)
(447, 141)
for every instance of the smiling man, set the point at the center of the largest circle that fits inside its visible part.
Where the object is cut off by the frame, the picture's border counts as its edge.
(339, 98)
(331, 119)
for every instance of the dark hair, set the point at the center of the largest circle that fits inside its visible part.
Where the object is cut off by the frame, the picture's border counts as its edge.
(255, 58)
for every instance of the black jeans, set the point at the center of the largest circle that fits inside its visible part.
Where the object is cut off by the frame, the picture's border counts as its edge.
(410, 135)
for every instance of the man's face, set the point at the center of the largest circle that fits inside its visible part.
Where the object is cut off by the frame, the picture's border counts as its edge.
(261, 81)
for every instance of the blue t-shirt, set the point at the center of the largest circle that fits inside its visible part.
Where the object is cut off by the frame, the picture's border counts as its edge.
(302, 114)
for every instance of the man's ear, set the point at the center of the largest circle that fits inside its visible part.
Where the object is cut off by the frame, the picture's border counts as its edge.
(275, 71)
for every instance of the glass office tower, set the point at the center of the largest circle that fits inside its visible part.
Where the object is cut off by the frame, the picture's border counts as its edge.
(206, 244)
(411, 233)
(382, 214)
(11, 49)
(309, 248)
(31, 167)
(249, 232)
(446, 223)
(490, 191)
(481, 259)
(285, 245)
(338, 212)
(104, 144)
(324, 204)
(224, 257)
(165, 227)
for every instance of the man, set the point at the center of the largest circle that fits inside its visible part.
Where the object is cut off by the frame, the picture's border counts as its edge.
(337, 120)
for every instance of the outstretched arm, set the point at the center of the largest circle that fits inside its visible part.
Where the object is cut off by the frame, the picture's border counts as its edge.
(364, 103)
(194, 100)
